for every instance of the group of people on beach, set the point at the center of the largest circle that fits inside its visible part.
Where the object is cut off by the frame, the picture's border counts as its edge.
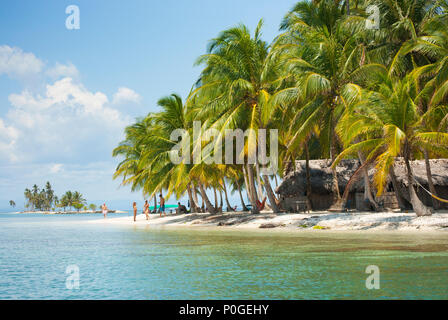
(146, 208)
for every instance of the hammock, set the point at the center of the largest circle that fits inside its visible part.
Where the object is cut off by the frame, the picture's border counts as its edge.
(434, 196)
(261, 205)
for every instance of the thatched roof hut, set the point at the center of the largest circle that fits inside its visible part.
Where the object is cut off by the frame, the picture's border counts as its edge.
(294, 183)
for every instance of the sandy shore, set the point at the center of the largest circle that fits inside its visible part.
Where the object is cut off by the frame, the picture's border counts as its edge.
(71, 212)
(318, 221)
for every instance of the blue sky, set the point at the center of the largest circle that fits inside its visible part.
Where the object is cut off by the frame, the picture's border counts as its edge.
(66, 95)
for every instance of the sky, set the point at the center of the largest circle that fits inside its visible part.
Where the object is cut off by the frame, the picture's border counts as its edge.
(66, 95)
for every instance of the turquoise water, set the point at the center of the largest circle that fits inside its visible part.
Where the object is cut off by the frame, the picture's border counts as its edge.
(126, 262)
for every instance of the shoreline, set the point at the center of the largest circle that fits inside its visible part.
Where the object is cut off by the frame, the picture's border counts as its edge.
(70, 212)
(316, 222)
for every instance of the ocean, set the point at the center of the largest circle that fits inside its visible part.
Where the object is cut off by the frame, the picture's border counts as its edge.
(41, 257)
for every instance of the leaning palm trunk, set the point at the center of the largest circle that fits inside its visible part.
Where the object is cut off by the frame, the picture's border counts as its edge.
(432, 188)
(253, 191)
(246, 182)
(195, 196)
(243, 205)
(420, 209)
(397, 189)
(259, 185)
(271, 195)
(210, 208)
(220, 199)
(193, 205)
(367, 189)
(155, 203)
(229, 207)
(216, 198)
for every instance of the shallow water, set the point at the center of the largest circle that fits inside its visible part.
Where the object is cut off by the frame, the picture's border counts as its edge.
(123, 262)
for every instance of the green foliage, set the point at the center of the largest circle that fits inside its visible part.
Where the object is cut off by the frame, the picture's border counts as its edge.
(78, 206)
(332, 87)
(45, 199)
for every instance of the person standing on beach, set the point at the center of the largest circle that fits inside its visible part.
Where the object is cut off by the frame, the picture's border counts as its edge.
(146, 209)
(162, 205)
(134, 205)
(105, 210)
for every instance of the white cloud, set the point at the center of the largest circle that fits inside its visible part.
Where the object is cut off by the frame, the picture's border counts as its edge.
(59, 130)
(56, 168)
(8, 138)
(126, 95)
(63, 70)
(65, 122)
(16, 63)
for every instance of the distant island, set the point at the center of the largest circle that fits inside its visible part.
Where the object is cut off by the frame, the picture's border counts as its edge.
(45, 201)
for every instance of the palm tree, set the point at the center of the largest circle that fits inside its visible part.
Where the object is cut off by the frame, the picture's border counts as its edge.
(78, 198)
(320, 52)
(391, 120)
(12, 203)
(334, 88)
(28, 198)
(235, 86)
(147, 151)
(49, 195)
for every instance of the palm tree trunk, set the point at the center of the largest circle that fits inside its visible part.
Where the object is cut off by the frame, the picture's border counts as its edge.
(276, 181)
(367, 189)
(216, 198)
(336, 192)
(420, 209)
(243, 205)
(260, 187)
(308, 178)
(229, 207)
(210, 208)
(155, 203)
(195, 195)
(271, 195)
(246, 182)
(398, 194)
(193, 205)
(432, 188)
(253, 191)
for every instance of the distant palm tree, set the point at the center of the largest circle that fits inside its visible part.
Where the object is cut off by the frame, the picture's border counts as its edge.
(12, 203)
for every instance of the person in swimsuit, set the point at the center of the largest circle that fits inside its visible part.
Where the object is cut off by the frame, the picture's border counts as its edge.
(105, 210)
(162, 205)
(134, 205)
(146, 209)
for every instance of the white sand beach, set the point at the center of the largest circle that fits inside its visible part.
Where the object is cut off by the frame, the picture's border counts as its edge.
(318, 221)
(69, 212)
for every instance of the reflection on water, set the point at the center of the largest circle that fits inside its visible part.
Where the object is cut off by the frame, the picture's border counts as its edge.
(142, 263)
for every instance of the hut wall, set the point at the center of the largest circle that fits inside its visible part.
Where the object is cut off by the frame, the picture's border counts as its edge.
(361, 204)
(389, 200)
(320, 202)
